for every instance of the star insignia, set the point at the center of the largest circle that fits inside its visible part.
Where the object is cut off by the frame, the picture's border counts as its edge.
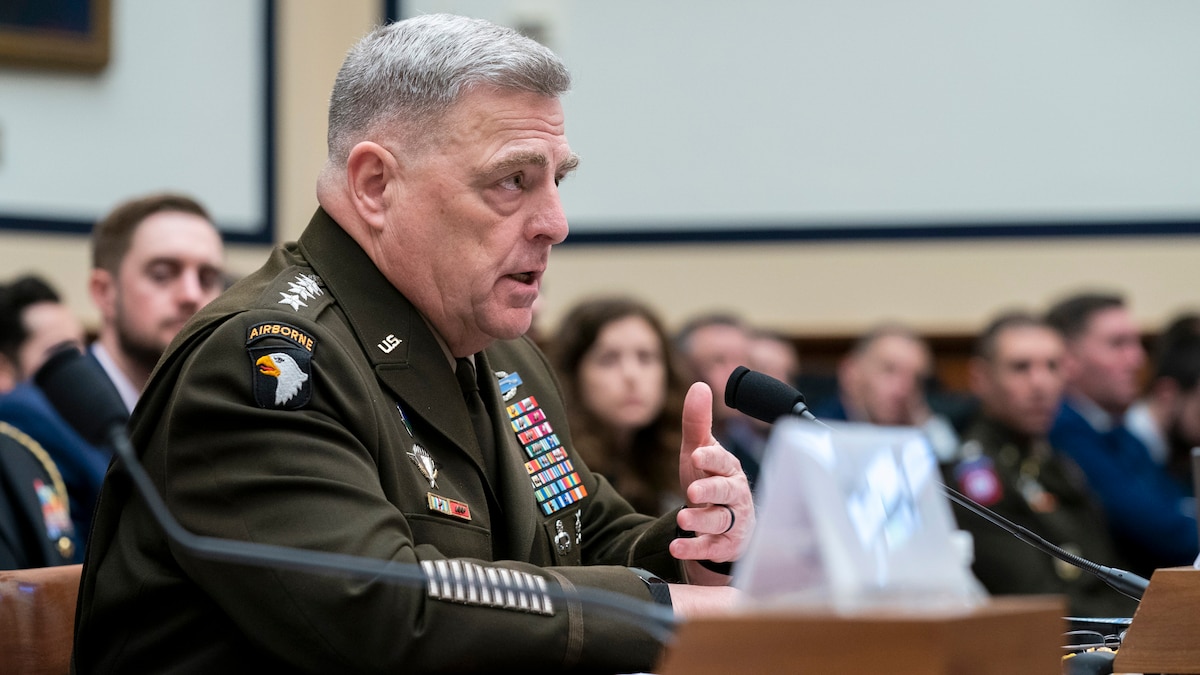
(293, 300)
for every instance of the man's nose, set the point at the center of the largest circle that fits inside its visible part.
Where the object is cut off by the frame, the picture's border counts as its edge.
(551, 221)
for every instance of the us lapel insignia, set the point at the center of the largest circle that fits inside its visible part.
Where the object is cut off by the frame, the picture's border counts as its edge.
(450, 507)
(281, 358)
(425, 464)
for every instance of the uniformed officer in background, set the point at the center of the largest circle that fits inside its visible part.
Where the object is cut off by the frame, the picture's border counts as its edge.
(368, 392)
(1008, 465)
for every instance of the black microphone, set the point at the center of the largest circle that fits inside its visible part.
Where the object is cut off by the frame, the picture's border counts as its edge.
(79, 389)
(89, 399)
(763, 397)
(767, 399)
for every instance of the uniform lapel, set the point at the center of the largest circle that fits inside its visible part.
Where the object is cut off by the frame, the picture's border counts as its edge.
(402, 349)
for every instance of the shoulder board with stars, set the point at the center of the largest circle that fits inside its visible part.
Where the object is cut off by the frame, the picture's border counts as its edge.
(556, 483)
(297, 290)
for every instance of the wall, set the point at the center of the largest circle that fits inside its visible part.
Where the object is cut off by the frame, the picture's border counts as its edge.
(943, 286)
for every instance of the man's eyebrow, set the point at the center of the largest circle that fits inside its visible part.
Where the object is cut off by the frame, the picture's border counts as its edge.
(569, 164)
(538, 159)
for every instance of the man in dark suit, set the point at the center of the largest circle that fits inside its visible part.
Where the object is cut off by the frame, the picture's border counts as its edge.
(368, 392)
(1151, 516)
(156, 260)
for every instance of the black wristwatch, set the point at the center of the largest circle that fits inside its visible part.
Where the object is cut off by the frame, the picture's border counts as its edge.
(659, 589)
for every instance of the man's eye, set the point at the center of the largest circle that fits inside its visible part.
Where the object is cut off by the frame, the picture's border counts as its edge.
(514, 182)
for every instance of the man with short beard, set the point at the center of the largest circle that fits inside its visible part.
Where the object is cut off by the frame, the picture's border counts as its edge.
(156, 260)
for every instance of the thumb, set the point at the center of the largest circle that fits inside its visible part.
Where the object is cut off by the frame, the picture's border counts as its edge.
(697, 418)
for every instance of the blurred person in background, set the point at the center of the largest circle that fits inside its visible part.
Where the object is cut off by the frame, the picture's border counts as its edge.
(624, 395)
(1008, 465)
(883, 381)
(33, 324)
(1167, 417)
(771, 354)
(1151, 515)
(712, 346)
(156, 260)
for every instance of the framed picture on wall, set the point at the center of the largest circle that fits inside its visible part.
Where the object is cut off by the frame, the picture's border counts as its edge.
(71, 34)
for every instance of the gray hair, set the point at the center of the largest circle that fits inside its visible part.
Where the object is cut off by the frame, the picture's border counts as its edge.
(412, 71)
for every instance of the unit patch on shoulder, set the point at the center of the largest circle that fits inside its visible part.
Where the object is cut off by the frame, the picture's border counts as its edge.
(281, 365)
(978, 480)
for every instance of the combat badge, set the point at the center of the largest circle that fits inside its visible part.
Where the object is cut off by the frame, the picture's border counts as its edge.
(508, 384)
(281, 365)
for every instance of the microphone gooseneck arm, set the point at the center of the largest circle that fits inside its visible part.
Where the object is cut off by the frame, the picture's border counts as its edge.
(1126, 583)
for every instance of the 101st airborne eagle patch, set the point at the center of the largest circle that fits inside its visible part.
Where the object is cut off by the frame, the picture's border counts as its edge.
(281, 363)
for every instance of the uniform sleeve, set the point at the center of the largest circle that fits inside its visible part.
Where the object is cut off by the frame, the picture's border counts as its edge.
(234, 464)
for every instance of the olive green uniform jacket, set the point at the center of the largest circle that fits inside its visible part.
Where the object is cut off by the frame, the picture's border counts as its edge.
(1028, 483)
(361, 445)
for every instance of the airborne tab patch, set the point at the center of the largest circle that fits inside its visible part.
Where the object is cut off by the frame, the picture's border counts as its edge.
(281, 365)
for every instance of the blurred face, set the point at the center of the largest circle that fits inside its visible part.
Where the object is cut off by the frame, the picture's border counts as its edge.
(1104, 363)
(1021, 386)
(473, 219)
(623, 377)
(771, 357)
(714, 351)
(172, 269)
(48, 324)
(885, 382)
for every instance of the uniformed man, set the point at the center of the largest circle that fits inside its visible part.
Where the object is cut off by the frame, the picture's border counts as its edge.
(1009, 466)
(35, 519)
(367, 392)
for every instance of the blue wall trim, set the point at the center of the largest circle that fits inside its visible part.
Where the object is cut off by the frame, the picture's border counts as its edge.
(720, 234)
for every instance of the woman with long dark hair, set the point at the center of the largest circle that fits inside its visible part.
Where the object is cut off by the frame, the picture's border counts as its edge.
(624, 394)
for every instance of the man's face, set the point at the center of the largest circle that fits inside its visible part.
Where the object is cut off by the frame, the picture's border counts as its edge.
(48, 325)
(1021, 386)
(886, 381)
(472, 219)
(713, 352)
(1105, 361)
(623, 376)
(172, 269)
(772, 357)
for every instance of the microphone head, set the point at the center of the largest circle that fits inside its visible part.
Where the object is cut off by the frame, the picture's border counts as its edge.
(81, 392)
(760, 396)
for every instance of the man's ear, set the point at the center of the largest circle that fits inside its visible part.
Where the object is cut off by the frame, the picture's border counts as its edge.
(369, 169)
(103, 288)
